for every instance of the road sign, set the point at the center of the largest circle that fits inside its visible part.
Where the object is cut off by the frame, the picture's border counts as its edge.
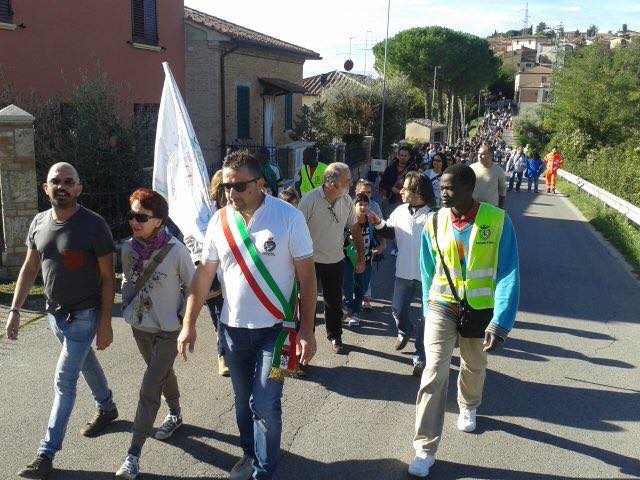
(378, 164)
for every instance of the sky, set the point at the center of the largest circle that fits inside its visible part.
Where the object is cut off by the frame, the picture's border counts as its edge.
(325, 26)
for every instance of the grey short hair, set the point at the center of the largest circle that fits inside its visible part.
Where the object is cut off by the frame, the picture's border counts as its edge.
(334, 171)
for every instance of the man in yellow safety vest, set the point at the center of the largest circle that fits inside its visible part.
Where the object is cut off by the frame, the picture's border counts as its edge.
(311, 173)
(471, 289)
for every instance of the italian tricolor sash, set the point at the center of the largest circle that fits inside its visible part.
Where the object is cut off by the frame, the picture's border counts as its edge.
(264, 287)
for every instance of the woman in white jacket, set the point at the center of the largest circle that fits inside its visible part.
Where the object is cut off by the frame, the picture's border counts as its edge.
(157, 272)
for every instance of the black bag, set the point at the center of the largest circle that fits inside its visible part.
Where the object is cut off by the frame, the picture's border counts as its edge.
(471, 323)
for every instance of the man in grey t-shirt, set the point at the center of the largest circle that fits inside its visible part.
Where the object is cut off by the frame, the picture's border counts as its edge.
(75, 249)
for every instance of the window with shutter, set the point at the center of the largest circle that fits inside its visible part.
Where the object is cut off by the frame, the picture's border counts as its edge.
(242, 114)
(288, 112)
(6, 14)
(144, 22)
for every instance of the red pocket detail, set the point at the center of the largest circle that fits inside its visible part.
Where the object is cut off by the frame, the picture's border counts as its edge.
(73, 259)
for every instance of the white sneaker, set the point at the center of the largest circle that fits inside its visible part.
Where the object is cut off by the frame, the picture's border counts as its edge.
(421, 464)
(467, 420)
(352, 321)
(130, 468)
(243, 469)
(171, 424)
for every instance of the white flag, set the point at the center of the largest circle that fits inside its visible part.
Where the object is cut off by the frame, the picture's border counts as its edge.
(179, 171)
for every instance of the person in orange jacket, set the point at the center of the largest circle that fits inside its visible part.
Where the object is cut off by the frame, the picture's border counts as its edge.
(553, 161)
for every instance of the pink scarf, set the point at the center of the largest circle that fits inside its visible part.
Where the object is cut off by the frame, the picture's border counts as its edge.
(146, 248)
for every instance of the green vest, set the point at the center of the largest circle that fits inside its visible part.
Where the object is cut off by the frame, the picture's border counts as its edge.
(310, 182)
(478, 284)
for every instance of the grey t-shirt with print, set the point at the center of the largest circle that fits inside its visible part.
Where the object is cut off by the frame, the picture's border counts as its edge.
(69, 253)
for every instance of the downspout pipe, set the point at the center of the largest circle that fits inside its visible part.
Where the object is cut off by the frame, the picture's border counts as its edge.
(223, 127)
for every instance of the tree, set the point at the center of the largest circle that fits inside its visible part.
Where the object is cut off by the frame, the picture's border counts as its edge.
(505, 82)
(592, 31)
(351, 110)
(577, 33)
(541, 27)
(625, 29)
(466, 63)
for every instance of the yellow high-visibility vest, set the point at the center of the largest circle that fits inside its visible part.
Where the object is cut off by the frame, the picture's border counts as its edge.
(310, 182)
(478, 284)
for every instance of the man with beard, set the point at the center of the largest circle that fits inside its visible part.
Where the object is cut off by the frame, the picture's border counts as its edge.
(261, 246)
(74, 247)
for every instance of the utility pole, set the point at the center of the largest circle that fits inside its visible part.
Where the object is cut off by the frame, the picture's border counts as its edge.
(526, 18)
(384, 81)
(366, 50)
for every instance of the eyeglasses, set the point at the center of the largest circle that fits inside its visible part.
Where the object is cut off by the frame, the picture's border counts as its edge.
(67, 182)
(239, 186)
(139, 217)
(333, 212)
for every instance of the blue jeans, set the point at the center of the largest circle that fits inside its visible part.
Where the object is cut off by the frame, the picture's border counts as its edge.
(532, 180)
(76, 357)
(249, 353)
(515, 177)
(403, 292)
(354, 285)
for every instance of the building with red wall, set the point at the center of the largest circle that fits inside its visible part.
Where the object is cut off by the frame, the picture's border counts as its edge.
(45, 45)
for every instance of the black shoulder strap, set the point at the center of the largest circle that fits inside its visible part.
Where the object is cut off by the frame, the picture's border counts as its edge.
(442, 262)
(306, 170)
(155, 261)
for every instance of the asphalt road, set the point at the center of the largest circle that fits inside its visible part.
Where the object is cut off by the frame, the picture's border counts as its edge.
(561, 399)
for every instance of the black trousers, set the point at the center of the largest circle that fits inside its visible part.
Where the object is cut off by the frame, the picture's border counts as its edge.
(329, 276)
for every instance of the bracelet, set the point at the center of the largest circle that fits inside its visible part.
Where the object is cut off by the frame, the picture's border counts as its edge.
(17, 310)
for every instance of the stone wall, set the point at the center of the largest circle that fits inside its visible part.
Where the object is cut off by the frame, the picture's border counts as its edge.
(18, 186)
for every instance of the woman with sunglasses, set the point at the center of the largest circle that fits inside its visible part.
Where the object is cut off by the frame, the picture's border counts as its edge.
(157, 273)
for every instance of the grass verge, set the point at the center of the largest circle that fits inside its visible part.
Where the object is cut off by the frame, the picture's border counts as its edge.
(611, 224)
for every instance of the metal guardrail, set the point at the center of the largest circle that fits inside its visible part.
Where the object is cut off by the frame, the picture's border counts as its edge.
(622, 206)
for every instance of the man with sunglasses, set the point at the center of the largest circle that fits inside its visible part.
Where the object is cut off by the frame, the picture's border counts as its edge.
(74, 247)
(328, 211)
(261, 246)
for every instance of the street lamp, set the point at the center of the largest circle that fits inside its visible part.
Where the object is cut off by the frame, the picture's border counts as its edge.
(384, 81)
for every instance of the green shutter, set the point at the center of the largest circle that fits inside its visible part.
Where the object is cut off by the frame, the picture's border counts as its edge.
(288, 111)
(242, 114)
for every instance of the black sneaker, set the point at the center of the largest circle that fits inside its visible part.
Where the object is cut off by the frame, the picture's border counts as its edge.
(418, 368)
(39, 468)
(337, 346)
(99, 422)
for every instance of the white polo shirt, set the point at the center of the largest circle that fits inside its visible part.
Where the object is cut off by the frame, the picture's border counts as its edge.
(280, 235)
(408, 229)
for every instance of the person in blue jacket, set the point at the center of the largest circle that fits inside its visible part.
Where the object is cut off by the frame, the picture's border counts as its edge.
(535, 168)
(459, 235)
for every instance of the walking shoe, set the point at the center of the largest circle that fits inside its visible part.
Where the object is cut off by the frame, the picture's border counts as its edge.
(401, 342)
(223, 370)
(243, 469)
(467, 420)
(366, 303)
(418, 368)
(39, 468)
(394, 252)
(171, 424)
(548, 190)
(352, 321)
(553, 191)
(130, 468)
(99, 422)
(337, 346)
(421, 464)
